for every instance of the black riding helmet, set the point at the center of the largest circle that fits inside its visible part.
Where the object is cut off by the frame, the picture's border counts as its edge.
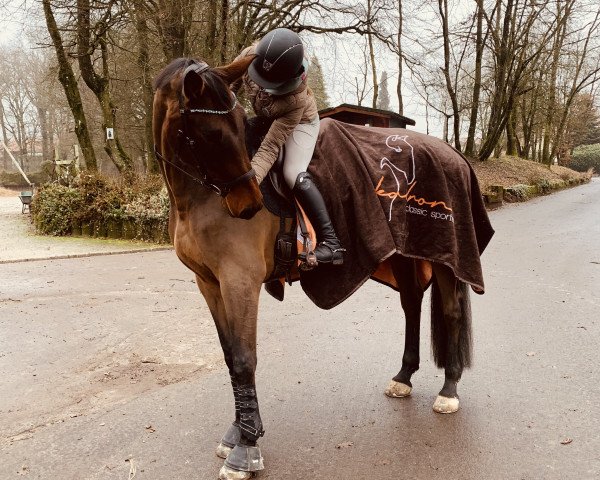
(279, 60)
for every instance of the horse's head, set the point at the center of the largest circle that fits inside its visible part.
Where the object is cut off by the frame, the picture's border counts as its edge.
(199, 131)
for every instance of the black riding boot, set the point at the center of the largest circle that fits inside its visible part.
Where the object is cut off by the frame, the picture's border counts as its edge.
(329, 248)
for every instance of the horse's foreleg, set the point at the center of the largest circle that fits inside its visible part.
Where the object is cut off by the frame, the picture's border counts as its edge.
(210, 289)
(411, 296)
(451, 334)
(240, 298)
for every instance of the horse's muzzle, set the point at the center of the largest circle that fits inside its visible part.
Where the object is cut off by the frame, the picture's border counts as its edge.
(248, 213)
(244, 201)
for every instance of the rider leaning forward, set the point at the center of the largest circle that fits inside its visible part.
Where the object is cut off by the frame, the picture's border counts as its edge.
(276, 86)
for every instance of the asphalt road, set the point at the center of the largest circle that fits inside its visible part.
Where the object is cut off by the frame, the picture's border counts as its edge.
(110, 365)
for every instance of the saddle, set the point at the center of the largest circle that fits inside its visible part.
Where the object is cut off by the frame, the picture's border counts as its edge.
(295, 232)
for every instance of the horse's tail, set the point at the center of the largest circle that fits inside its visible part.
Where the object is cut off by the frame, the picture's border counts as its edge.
(439, 330)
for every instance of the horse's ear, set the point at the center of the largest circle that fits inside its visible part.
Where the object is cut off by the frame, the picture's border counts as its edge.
(192, 84)
(230, 73)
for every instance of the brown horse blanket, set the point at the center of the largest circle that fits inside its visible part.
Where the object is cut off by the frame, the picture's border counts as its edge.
(395, 191)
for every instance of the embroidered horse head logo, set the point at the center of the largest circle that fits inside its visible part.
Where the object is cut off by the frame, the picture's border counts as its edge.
(399, 144)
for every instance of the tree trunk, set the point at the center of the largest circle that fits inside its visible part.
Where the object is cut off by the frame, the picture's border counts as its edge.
(503, 95)
(174, 21)
(51, 146)
(549, 130)
(400, 60)
(578, 83)
(443, 9)
(470, 147)
(43, 119)
(99, 84)
(5, 158)
(143, 59)
(211, 30)
(372, 55)
(69, 83)
(223, 30)
(511, 135)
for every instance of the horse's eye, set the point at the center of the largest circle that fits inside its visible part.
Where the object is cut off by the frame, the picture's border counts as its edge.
(213, 136)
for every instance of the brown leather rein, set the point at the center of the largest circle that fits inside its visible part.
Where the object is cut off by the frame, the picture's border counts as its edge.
(220, 188)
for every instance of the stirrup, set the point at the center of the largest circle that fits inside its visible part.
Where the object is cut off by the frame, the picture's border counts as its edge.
(337, 255)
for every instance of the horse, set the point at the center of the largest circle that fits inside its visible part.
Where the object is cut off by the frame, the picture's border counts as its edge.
(223, 235)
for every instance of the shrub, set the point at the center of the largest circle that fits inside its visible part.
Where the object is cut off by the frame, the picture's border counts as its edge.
(54, 208)
(517, 193)
(586, 157)
(95, 201)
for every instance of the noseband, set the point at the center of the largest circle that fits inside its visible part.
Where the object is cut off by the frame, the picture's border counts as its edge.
(220, 188)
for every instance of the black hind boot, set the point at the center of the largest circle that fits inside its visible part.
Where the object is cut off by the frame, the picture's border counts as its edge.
(329, 248)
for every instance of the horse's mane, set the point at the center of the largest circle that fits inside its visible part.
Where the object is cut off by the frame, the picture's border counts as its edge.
(213, 81)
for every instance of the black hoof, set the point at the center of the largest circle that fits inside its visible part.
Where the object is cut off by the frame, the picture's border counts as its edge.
(245, 459)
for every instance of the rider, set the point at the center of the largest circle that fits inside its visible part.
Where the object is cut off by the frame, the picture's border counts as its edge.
(276, 86)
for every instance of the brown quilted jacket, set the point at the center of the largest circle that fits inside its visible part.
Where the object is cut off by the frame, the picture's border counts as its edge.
(288, 111)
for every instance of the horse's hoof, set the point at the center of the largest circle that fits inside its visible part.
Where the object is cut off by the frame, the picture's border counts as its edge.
(445, 404)
(227, 473)
(223, 450)
(398, 390)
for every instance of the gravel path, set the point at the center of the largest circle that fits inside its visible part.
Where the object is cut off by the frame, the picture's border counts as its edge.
(19, 242)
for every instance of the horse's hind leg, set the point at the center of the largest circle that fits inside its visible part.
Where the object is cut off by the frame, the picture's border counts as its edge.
(411, 296)
(450, 333)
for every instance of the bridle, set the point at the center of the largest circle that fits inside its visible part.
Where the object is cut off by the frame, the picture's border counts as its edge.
(220, 188)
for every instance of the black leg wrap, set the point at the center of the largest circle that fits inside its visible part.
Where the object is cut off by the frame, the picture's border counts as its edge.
(246, 405)
(245, 459)
(235, 399)
(232, 435)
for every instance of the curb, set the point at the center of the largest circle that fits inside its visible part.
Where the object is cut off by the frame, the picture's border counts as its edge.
(84, 255)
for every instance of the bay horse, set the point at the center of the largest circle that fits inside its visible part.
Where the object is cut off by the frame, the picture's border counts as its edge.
(221, 232)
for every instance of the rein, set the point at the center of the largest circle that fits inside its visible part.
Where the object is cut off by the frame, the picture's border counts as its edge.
(220, 188)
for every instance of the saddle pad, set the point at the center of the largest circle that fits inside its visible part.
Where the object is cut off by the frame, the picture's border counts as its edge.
(273, 201)
(395, 191)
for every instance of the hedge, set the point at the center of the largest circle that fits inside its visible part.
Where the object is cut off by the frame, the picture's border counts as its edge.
(100, 207)
(586, 157)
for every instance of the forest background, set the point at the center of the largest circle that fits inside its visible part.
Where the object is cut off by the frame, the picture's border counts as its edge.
(488, 76)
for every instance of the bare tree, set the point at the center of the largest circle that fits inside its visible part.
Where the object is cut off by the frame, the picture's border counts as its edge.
(479, 43)
(174, 23)
(584, 74)
(69, 83)
(372, 62)
(139, 12)
(92, 40)
(5, 158)
(512, 26)
(400, 58)
(564, 9)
